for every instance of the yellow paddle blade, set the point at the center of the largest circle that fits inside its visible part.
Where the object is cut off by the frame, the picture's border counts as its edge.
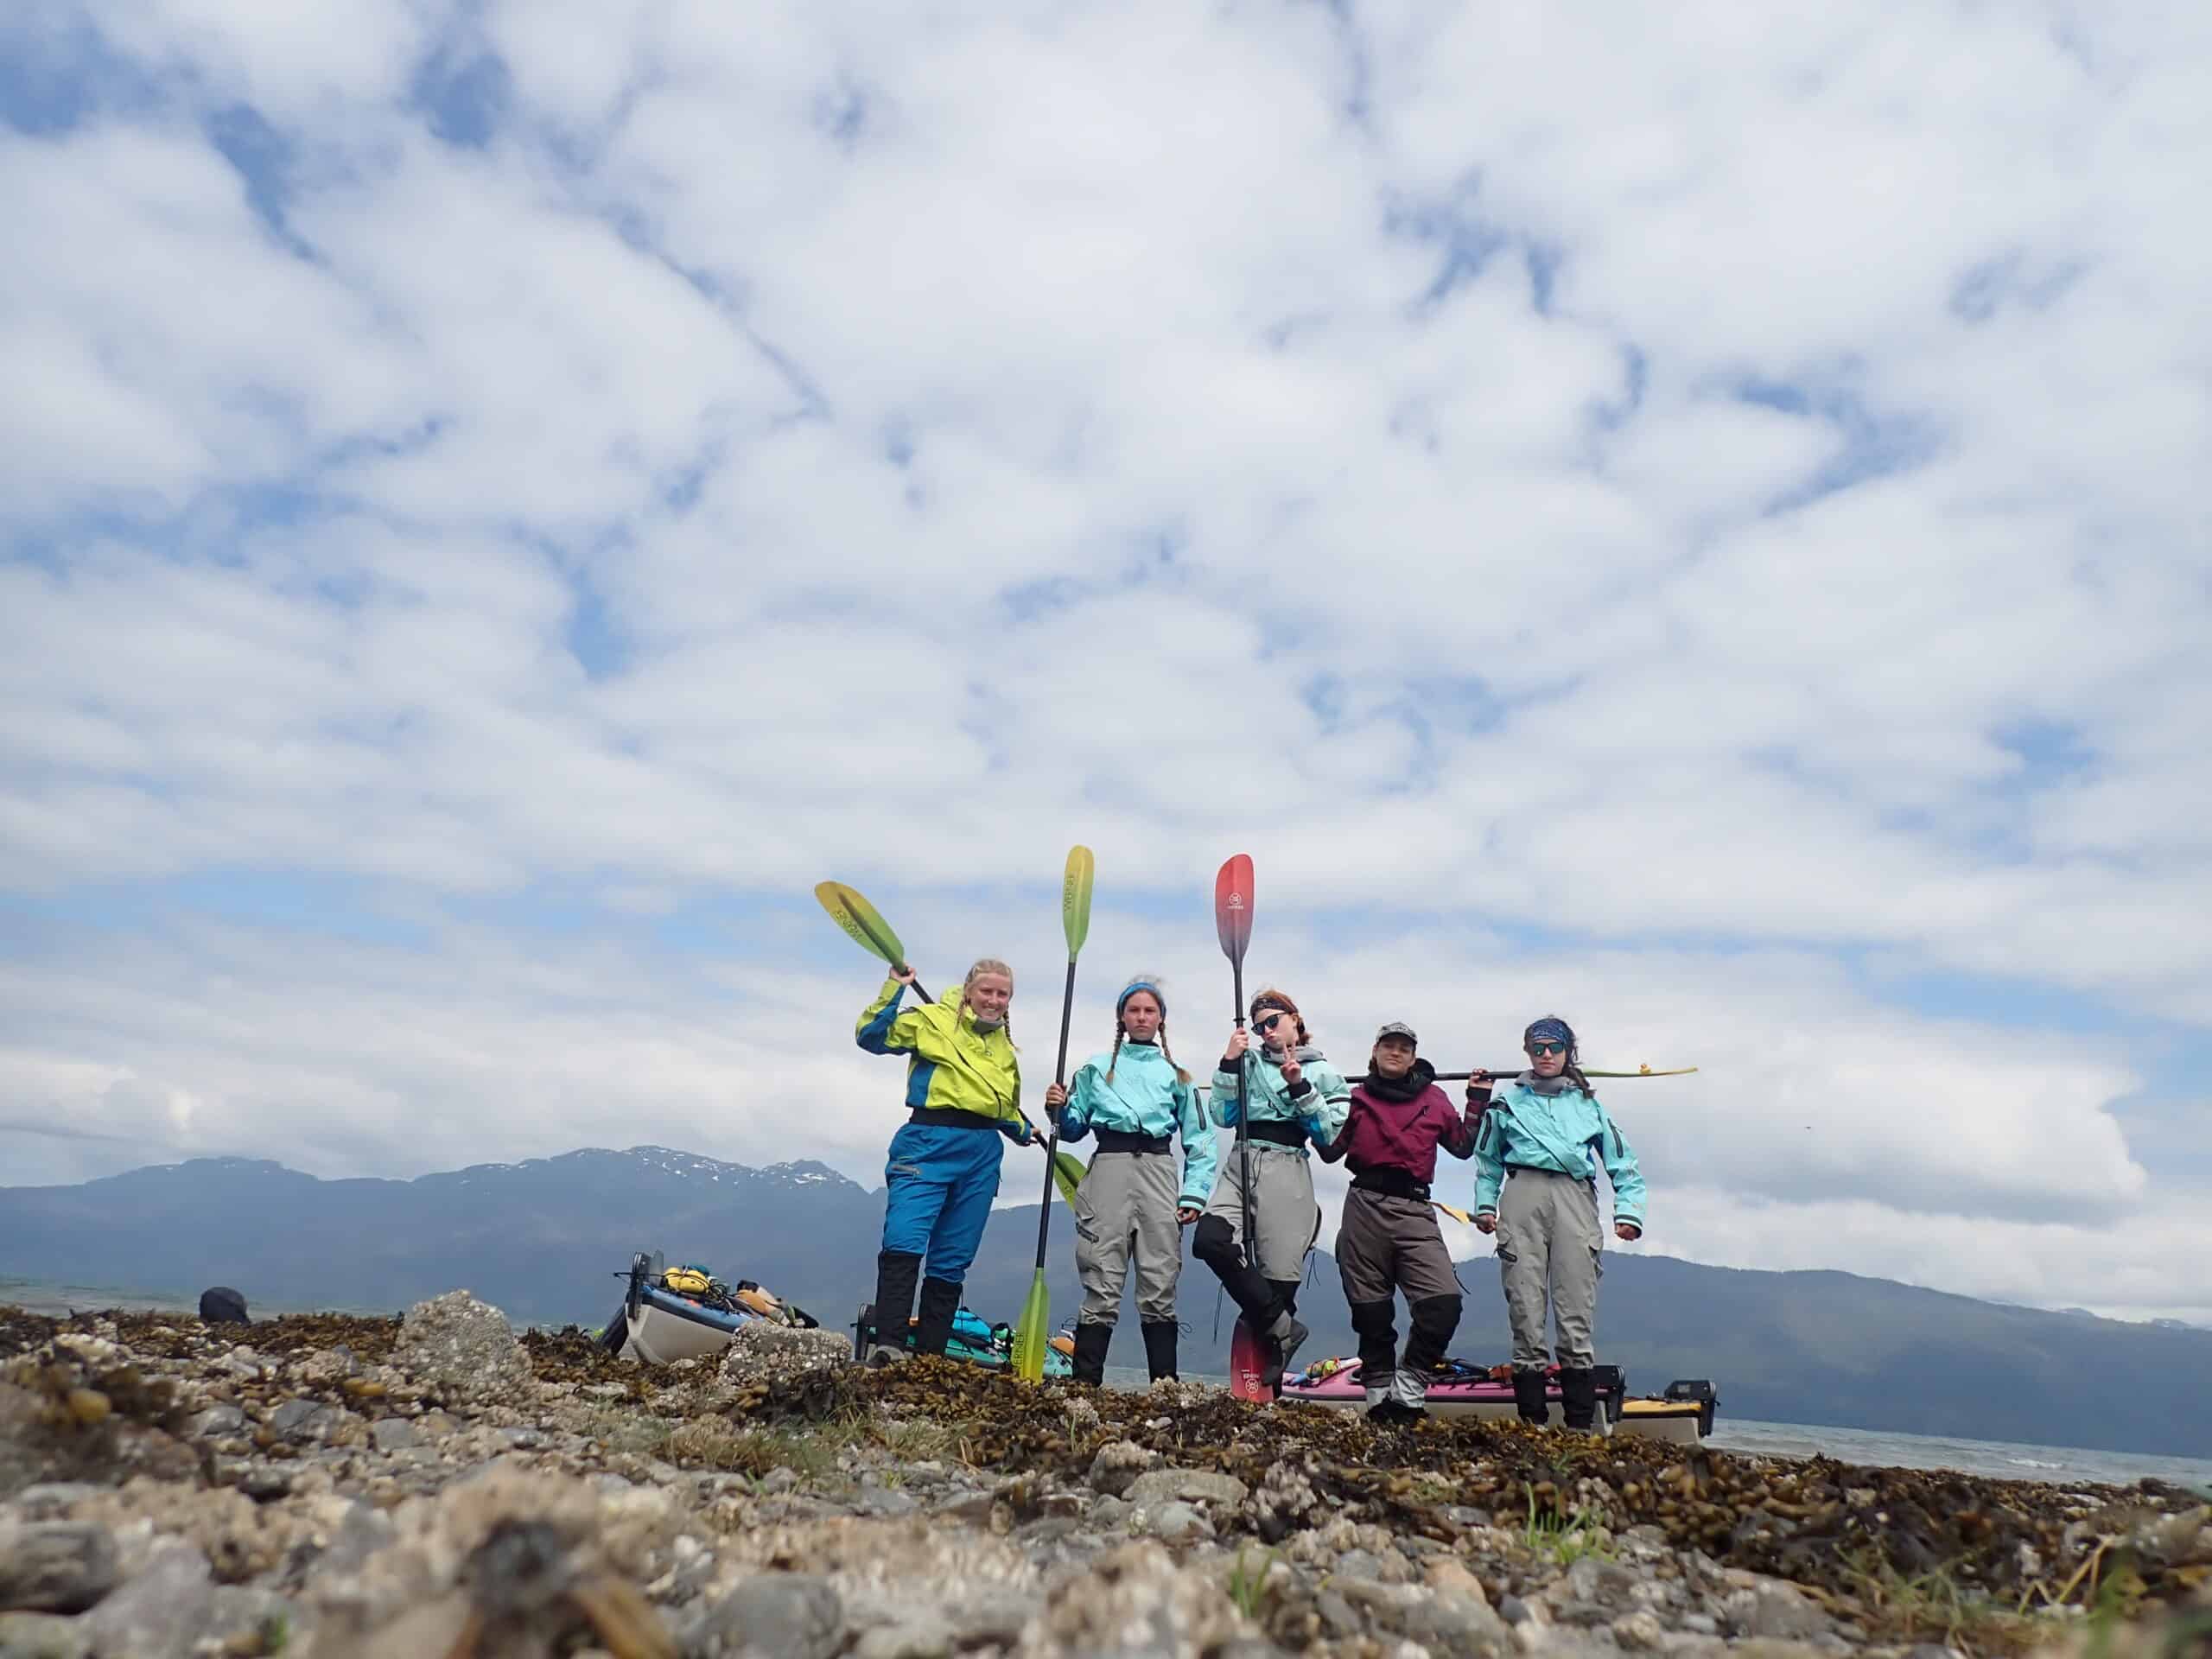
(1032, 1334)
(1074, 899)
(1068, 1172)
(859, 919)
(1456, 1214)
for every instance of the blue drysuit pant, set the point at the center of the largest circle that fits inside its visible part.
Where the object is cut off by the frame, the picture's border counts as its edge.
(942, 1181)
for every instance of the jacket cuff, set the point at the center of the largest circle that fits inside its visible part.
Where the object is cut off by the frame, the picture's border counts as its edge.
(1300, 1089)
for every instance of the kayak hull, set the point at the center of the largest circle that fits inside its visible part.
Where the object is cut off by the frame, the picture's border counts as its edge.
(663, 1328)
(1686, 1420)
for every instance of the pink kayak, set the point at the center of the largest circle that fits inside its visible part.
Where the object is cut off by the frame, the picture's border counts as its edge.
(1459, 1389)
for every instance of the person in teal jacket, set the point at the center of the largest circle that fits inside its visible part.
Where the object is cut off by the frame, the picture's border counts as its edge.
(964, 1090)
(1135, 1099)
(1294, 1097)
(1537, 1155)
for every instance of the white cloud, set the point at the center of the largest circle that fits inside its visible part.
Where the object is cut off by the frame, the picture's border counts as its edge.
(1727, 486)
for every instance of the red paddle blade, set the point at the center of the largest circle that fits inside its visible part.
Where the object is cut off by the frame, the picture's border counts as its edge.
(1232, 905)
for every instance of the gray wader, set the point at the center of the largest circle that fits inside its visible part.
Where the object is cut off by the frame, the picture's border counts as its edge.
(1386, 1243)
(1125, 1209)
(1550, 1245)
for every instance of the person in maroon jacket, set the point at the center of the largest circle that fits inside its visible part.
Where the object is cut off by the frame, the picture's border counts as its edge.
(1389, 1241)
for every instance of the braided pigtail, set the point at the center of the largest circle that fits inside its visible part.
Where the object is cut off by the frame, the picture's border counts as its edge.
(1115, 1059)
(1181, 1076)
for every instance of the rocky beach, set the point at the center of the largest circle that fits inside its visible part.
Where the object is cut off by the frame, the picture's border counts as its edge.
(435, 1487)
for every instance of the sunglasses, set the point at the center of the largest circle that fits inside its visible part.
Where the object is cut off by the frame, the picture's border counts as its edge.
(1547, 1048)
(1264, 1026)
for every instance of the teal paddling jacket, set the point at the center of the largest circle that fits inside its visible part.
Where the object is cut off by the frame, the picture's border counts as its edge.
(1568, 1133)
(1316, 1105)
(1145, 1097)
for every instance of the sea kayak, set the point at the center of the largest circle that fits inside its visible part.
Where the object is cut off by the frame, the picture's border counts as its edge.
(687, 1313)
(1459, 1389)
(974, 1340)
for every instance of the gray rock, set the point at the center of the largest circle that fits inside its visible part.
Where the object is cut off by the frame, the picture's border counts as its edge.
(364, 1531)
(1336, 1615)
(765, 1352)
(1178, 1522)
(1602, 1584)
(1774, 1610)
(1358, 1563)
(394, 1434)
(1639, 1633)
(238, 1611)
(785, 1613)
(302, 1420)
(1701, 1624)
(52, 1500)
(217, 1422)
(1454, 1625)
(1117, 1464)
(1109, 1514)
(466, 1348)
(43, 1635)
(1514, 1611)
(160, 1612)
(57, 1567)
(992, 1616)
(1190, 1485)
(263, 1482)
(914, 1638)
(886, 1500)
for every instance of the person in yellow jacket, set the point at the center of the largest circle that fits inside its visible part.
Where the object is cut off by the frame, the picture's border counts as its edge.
(964, 1090)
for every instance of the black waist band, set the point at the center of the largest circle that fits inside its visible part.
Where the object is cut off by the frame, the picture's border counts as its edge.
(1122, 1140)
(951, 1118)
(1391, 1183)
(1277, 1133)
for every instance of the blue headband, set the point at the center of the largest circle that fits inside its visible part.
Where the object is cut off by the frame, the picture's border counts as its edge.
(1549, 1030)
(1132, 989)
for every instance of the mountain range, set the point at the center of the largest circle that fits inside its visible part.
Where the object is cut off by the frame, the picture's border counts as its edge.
(545, 1239)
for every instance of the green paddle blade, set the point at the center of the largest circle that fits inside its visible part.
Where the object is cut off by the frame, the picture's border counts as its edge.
(1068, 1172)
(1074, 899)
(1029, 1336)
(859, 919)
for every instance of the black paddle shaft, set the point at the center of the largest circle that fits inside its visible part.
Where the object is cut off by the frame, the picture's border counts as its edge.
(1243, 1139)
(1052, 1147)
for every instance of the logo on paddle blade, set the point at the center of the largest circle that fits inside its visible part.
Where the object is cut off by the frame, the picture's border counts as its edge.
(1236, 901)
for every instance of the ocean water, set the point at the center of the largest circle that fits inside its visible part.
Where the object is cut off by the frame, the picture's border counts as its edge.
(2054, 1464)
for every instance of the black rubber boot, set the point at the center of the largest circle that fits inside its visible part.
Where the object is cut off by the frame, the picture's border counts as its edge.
(1092, 1341)
(1379, 1341)
(1529, 1395)
(940, 1301)
(896, 1273)
(1433, 1319)
(1213, 1243)
(1285, 1336)
(1160, 1340)
(1577, 1391)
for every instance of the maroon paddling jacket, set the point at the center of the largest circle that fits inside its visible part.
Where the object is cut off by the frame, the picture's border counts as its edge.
(1403, 1136)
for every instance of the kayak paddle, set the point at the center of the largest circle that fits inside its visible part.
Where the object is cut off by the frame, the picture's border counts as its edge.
(860, 921)
(1507, 1076)
(1037, 1311)
(1232, 920)
(867, 929)
(1456, 1213)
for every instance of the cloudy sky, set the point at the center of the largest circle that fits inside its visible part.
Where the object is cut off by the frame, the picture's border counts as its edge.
(1695, 521)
